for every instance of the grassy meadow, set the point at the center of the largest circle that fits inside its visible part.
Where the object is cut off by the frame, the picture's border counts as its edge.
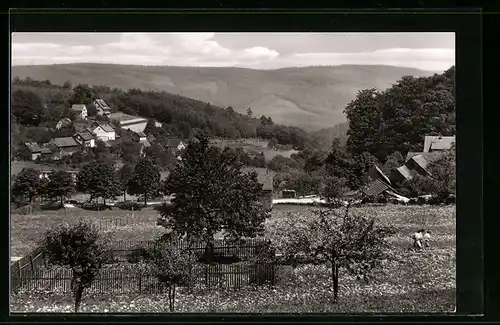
(415, 282)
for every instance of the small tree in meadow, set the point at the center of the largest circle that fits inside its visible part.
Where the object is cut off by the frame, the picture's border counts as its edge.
(350, 242)
(80, 248)
(172, 266)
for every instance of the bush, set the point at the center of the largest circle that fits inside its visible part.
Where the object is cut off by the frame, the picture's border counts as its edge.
(129, 205)
(95, 206)
(52, 206)
(25, 209)
(137, 255)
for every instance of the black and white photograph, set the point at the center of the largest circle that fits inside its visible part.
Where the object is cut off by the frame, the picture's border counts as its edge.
(231, 172)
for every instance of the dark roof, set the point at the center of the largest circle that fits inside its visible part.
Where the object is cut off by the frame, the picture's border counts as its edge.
(151, 137)
(375, 188)
(437, 142)
(46, 151)
(264, 176)
(78, 107)
(111, 143)
(33, 147)
(173, 143)
(141, 134)
(86, 135)
(65, 142)
(101, 104)
(105, 126)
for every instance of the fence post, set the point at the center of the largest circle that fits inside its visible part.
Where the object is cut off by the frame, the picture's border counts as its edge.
(32, 267)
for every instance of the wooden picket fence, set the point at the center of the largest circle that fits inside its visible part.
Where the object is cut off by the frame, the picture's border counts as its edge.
(116, 281)
(32, 272)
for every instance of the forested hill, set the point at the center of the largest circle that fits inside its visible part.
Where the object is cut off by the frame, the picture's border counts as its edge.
(42, 104)
(309, 97)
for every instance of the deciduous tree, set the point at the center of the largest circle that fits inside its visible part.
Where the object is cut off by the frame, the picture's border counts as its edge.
(26, 185)
(60, 185)
(145, 179)
(27, 107)
(211, 194)
(100, 180)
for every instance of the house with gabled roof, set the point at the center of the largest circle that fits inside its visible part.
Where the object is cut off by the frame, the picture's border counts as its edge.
(85, 138)
(80, 110)
(266, 178)
(34, 149)
(103, 131)
(437, 143)
(65, 146)
(102, 107)
(175, 145)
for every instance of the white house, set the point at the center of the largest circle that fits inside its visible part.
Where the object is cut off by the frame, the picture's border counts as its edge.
(81, 111)
(85, 139)
(103, 131)
(102, 107)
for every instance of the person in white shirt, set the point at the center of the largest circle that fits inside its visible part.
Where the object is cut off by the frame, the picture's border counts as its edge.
(417, 239)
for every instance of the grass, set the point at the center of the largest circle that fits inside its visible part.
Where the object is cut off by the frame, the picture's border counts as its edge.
(416, 282)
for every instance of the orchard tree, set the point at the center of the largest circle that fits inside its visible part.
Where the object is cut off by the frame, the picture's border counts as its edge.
(60, 185)
(125, 174)
(393, 161)
(171, 265)
(27, 107)
(100, 180)
(342, 239)
(80, 248)
(26, 185)
(145, 179)
(211, 194)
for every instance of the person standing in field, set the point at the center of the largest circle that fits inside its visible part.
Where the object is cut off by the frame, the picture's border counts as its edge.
(418, 238)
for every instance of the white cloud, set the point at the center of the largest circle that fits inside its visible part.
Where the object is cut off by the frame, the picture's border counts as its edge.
(201, 49)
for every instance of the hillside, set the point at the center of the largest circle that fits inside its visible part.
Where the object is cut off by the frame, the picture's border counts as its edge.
(308, 97)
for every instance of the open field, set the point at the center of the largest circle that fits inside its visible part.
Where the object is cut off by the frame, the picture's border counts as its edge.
(253, 145)
(415, 282)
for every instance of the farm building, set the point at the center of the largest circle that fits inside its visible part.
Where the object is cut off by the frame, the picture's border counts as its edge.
(85, 138)
(288, 194)
(265, 177)
(175, 145)
(102, 107)
(376, 173)
(81, 111)
(63, 123)
(64, 147)
(103, 131)
(140, 136)
(35, 150)
(129, 122)
(437, 143)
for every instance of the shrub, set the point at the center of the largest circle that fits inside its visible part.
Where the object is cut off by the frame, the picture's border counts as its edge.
(129, 205)
(137, 255)
(52, 206)
(95, 206)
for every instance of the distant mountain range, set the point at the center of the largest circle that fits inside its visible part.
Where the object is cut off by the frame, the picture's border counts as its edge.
(309, 97)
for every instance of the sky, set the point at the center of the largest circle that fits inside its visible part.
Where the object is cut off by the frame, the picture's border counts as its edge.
(427, 51)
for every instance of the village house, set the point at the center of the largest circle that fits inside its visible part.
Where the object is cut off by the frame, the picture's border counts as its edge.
(81, 111)
(35, 150)
(175, 145)
(102, 107)
(103, 131)
(85, 138)
(140, 136)
(377, 184)
(129, 122)
(288, 194)
(63, 123)
(151, 138)
(144, 144)
(437, 143)
(66, 146)
(264, 177)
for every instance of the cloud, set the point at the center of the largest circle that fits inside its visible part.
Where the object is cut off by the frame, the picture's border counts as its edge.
(202, 49)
